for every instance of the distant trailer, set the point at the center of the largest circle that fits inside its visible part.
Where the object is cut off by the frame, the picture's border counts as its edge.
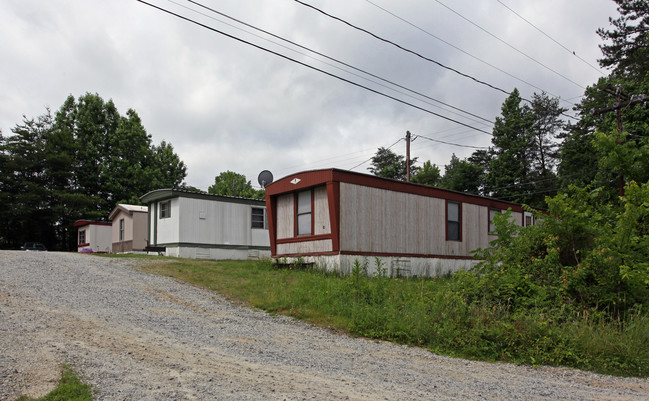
(332, 218)
(204, 226)
(93, 236)
(129, 232)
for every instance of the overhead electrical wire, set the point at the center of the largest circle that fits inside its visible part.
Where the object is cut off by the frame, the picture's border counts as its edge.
(339, 61)
(509, 45)
(459, 49)
(434, 61)
(360, 164)
(551, 38)
(404, 48)
(450, 143)
(310, 66)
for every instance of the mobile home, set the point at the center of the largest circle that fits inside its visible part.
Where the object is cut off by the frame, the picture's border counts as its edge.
(332, 218)
(93, 236)
(129, 233)
(203, 226)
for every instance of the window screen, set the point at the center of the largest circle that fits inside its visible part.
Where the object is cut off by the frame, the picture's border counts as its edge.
(165, 209)
(258, 217)
(304, 213)
(453, 221)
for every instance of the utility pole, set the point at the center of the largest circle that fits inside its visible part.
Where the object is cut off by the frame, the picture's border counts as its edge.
(407, 156)
(618, 106)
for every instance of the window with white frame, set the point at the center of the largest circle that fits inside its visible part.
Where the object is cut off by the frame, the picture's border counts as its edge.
(121, 230)
(165, 209)
(304, 226)
(258, 218)
(82, 237)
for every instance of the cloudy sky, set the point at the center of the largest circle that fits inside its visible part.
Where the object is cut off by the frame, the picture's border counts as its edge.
(226, 105)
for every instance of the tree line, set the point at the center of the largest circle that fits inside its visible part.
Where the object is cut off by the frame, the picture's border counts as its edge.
(77, 163)
(537, 150)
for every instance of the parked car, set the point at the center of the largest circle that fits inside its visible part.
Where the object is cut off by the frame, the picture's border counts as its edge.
(33, 246)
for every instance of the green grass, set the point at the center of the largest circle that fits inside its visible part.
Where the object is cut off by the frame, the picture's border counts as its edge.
(430, 313)
(70, 388)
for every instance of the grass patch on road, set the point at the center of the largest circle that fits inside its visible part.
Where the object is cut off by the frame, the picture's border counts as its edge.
(70, 388)
(431, 313)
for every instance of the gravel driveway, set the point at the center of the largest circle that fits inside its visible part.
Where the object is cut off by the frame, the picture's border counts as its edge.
(136, 336)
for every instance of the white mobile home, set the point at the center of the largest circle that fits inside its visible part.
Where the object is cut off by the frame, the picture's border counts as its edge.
(333, 218)
(203, 226)
(129, 228)
(93, 236)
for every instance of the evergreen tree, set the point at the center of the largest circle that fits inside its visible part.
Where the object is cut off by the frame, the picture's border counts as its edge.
(388, 164)
(76, 165)
(512, 141)
(229, 183)
(462, 175)
(627, 49)
(428, 174)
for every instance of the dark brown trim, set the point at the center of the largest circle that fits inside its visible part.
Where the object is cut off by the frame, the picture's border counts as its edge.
(459, 211)
(82, 245)
(333, 197)
(308, 179)
(304, 238)
(81, 223)
(271, 210)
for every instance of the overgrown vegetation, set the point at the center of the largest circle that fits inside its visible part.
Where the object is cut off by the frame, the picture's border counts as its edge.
(70, 388)
(446, 315)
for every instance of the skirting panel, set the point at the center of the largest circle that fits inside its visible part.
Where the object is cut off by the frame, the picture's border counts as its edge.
(395, 266)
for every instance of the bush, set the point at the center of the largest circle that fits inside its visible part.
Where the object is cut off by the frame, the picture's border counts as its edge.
(581, 256)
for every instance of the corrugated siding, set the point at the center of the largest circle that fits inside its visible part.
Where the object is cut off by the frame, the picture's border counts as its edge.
(168, 227)
(379, 220)
(285, 216)
(208, 222)
(139, 231)
(321, 222)
(305, 247)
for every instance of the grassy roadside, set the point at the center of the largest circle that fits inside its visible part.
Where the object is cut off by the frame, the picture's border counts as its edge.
(430, 313)
(70, 388)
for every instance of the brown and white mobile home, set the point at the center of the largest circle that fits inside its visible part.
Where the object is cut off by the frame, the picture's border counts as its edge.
(129, 228)
(334, 217)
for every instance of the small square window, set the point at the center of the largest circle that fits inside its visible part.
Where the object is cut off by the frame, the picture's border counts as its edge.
(165, 209)
(258, 218)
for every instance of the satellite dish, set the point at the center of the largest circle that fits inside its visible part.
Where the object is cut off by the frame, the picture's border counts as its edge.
(265, 178)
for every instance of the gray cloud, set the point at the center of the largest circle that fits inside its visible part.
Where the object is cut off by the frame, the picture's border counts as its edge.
(227, 106)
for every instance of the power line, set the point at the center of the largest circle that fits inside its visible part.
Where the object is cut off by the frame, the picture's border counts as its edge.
(450, 143)
(340, 62)
(551, 38)
(360, 164)
(461, 50)
(508, 45)
(403, 48)
(310, 66)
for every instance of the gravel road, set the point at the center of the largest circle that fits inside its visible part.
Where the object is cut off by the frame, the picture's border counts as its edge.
(136, 336)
